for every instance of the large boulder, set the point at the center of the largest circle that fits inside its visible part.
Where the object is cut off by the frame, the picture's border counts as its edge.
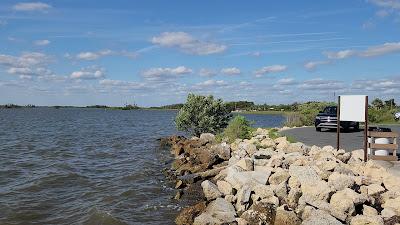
(342, 204)
(286, 217)
(267, 143)
(295, 147)
(363, 220)
(249, 148)
(340, 181)
(246, 164)
(238, 179)
(223, 150)
(224, 187)
(207, 137)
(260, 213)
(218, 211)
(320, 217)
(187, 215)
(393, 204)
(210, 190)
(279, 177)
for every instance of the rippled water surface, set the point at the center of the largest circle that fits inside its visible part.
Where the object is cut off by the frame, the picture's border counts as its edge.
(87, 166)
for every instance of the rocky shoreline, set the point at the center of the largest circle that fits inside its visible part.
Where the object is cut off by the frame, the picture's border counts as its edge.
(272, 181)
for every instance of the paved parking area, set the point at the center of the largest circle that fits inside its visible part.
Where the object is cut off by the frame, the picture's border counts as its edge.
(349, 141)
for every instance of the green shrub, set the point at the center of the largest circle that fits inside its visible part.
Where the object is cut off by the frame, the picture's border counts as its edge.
(238, 127)
(202, 114)
(381, 115)
(305, 114)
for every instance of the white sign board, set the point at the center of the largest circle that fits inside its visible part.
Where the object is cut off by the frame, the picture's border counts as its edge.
(352, 108)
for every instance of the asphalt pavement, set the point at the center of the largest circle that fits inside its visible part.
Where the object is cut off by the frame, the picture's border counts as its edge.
(349, 141)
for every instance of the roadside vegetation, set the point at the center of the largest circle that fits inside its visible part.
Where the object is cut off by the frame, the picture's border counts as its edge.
(379, 112)
(238, 127)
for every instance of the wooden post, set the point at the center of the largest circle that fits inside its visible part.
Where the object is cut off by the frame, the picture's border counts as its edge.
(366, 130)
(338, 125)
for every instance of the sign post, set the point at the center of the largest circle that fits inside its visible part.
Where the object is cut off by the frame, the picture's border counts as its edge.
(353, 108)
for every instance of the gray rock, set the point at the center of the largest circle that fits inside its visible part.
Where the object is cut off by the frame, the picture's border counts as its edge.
(210, 190)
(218, 211)
(207, 137)
(340, 181)
(320, 217)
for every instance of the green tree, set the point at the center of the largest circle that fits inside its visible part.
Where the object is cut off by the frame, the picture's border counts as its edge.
(390, 104)
(202, 114)
(377, 103)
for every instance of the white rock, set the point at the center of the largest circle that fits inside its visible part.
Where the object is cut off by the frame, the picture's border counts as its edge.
(340, 181)
(369, 211)
(279, 177)
(218, 211)
(394, 204)
(246, 164)
(343, 203)
(320, 217)
(224, 187)
(363, 220)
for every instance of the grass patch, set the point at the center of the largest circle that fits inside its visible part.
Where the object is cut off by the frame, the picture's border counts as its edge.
(274, 134)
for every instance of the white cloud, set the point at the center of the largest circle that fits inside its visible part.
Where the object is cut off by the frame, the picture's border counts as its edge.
(3, 23)
(210, 83)
(378, 50)
(286, 81)
(89, 73)
(313, 64)
(31, 6)
(159, 74)
(321, 84)
(107, 52)
(340, 54)
(41, 42)
(382, 13)
(207, 72)
(187, 43)
(230, 71)
(127, 85)
(270, 69)
(389, 4)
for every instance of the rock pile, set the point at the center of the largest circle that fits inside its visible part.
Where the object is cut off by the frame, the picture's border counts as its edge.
(266, 181)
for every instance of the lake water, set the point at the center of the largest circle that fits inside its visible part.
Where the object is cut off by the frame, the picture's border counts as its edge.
(88, 166)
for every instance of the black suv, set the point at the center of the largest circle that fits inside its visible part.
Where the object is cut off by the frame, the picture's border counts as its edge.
(328, 119)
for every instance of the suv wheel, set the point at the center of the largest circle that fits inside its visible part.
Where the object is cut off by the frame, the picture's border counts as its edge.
(318, 129)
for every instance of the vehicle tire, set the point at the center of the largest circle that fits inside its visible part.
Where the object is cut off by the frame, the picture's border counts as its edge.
(318, 129)
(357, 127)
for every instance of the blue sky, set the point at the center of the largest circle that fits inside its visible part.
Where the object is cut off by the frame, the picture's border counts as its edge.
(72, 52)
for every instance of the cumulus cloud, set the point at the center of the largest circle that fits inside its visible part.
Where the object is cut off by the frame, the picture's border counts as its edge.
(107, 52)
(159, 74)
(230, 71)
(270, 69)
(31, 6)
(313, 64)
(207, 72)
(26, 64)
(89, 73)
(187, 43)
(41, 42)
(378, 50)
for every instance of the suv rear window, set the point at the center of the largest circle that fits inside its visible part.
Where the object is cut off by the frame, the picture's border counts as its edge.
(330, 110)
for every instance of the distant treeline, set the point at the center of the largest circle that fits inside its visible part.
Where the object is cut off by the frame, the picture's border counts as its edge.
(243, 106)
(173, 106)
(11, 106)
